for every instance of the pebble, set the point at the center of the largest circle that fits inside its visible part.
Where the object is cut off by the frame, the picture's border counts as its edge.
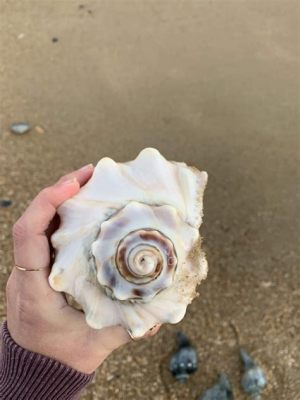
(19, 128)
(4, 203)
(220, 391)
(54, 39)
(253, 380)
(110, 378)
(184, 362)
(266, 284)
(39, 129)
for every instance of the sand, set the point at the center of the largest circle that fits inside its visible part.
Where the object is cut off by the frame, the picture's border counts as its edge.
(212, 83)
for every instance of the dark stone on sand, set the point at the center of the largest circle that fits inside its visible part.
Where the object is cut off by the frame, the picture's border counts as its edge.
(253, 379)
(4, 203)
(220, 391)
(184, 362)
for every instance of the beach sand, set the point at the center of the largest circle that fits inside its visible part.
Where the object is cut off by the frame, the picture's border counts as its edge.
(211, 83)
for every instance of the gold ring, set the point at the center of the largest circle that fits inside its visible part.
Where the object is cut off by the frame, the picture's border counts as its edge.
(28, 269)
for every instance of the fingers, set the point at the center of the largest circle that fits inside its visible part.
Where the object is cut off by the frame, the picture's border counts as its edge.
(31, 246)
(103, 340)
(106, 340)
(82, 175)
(153, 331)
(121, 336)
(109, 339)
(42, 209)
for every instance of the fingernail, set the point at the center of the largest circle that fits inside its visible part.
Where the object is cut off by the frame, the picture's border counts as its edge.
(86, 167)
(69, 182)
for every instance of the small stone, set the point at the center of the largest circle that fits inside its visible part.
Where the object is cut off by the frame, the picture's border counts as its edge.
(21, 35)
(39, 129)
(54, 39)
(253, 380)
(4, 203)
(19, 128)
(266, 284)
(220, 391)
(184, 362)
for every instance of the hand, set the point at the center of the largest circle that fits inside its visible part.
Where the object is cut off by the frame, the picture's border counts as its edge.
(39, 319)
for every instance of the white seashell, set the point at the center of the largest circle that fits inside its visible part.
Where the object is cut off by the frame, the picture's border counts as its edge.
(128, 248)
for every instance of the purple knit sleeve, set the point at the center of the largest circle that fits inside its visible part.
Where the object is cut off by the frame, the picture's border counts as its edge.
(25, 375)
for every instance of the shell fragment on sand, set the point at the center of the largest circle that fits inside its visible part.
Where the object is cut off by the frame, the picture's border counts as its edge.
(19, 128)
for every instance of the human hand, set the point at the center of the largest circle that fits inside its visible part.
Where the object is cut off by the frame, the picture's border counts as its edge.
(39, 319)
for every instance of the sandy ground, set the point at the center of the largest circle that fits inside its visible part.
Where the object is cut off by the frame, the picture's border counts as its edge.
(213, 83)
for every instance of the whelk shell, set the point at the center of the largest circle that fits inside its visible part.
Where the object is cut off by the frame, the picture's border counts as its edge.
(128, 247)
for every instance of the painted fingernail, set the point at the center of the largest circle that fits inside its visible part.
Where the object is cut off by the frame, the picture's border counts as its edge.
(86, 167)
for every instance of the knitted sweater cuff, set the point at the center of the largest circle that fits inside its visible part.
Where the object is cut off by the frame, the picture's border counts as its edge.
(25, 375)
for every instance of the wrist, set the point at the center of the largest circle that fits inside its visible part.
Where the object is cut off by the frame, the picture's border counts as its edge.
(74, 353)
(35, 374)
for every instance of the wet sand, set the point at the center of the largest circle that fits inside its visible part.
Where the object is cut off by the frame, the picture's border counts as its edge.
(212, 83)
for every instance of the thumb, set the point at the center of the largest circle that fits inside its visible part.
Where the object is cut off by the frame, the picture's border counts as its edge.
(106, 340)
(31, 246)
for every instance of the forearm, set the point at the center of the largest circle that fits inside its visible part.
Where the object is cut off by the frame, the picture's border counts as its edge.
(25, 375)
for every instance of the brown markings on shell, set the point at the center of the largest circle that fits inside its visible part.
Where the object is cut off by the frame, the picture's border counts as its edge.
(169, 249)
(158, 267)
(146, 235)
(121, 254)
(127, 274)
(112, 281)
(171, 263)
(111, 267)
(138, 292)
(109, 274)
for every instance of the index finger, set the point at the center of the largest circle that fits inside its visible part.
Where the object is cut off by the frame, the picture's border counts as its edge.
(31, 246)
(42, 209)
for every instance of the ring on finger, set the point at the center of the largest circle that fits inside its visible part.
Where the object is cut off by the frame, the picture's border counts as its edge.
(28, 269)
